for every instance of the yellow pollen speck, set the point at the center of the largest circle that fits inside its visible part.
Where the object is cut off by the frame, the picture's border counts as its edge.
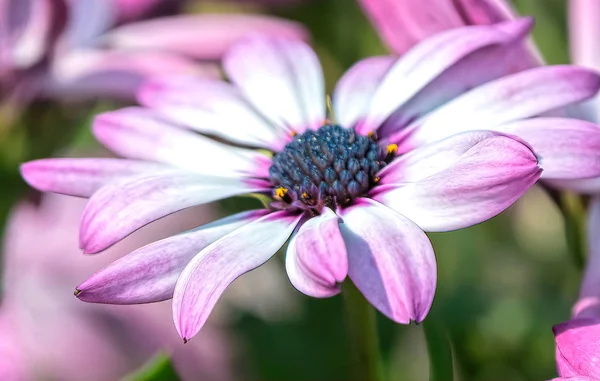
(370, 134)
(304, 195)
(392, 149)
(376, 180)
(280, 192)
(293, 133)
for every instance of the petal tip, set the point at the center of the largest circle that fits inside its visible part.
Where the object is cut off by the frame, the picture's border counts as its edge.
(520, 27)
(35, 175)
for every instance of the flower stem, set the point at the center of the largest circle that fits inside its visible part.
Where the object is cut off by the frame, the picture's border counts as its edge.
(439, 350)
(362, 331)
(573, 211)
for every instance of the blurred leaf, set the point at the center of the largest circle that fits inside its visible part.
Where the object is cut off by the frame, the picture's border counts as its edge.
(550, 32)
(159, 368)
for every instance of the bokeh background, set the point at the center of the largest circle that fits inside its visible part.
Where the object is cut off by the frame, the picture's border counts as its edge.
(502, 284)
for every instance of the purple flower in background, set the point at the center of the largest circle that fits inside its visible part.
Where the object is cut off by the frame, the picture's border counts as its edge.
(70, 49)
(402, 24)
(578, 340)
(46, 334)
(404, 151)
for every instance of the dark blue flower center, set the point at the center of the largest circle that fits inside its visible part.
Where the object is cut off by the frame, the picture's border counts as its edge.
(328, 167)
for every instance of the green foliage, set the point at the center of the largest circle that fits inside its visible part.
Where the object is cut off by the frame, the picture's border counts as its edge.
(159, 368)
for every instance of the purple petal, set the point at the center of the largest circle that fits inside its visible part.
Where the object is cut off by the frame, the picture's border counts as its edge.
(138, 133)
(390, 260)
(566, 148)
(149, 274)
(584, 28)
(316, 260)
(518, 96)
(83, 28)
(211, 271)
(577, 347)
(586, 186)
(282, 78)
(28, 30)
(404, 24)
(431, 158)
(443, 66)
(204, 37)
(211, 107)
(487, 179)
(83, 177)
(354, 91)
(117, 210)
(133, 9)
(588, 304)
(118, 74)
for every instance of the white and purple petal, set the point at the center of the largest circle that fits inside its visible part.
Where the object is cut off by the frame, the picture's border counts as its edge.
(390, 260)
(354, 91)
(82, 177)
(139, 133)
(204, 37)
(316, 260)
(440, 68)
(149, 274)
(119, 209)
(486, 180)
(518, 96)
(211, 107)
(92, 73)
(281, 78)
(566, 148)
(431, 158)
(211, 271)
(577, 348)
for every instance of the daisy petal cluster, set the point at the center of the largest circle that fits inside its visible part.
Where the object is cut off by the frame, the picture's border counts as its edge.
(425, 142)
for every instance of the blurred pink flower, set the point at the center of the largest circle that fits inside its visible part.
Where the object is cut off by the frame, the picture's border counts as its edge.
(402, 24)
(578, 340)
(46, 333)
(70, 48)
(135, 9)
(584, 32)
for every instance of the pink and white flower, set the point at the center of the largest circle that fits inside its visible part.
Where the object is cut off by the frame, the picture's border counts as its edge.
(408, 148)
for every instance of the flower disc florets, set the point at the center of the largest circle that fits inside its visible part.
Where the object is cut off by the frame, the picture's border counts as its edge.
(328, 167)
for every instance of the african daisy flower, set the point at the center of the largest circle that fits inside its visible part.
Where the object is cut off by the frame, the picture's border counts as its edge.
(353, 193)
